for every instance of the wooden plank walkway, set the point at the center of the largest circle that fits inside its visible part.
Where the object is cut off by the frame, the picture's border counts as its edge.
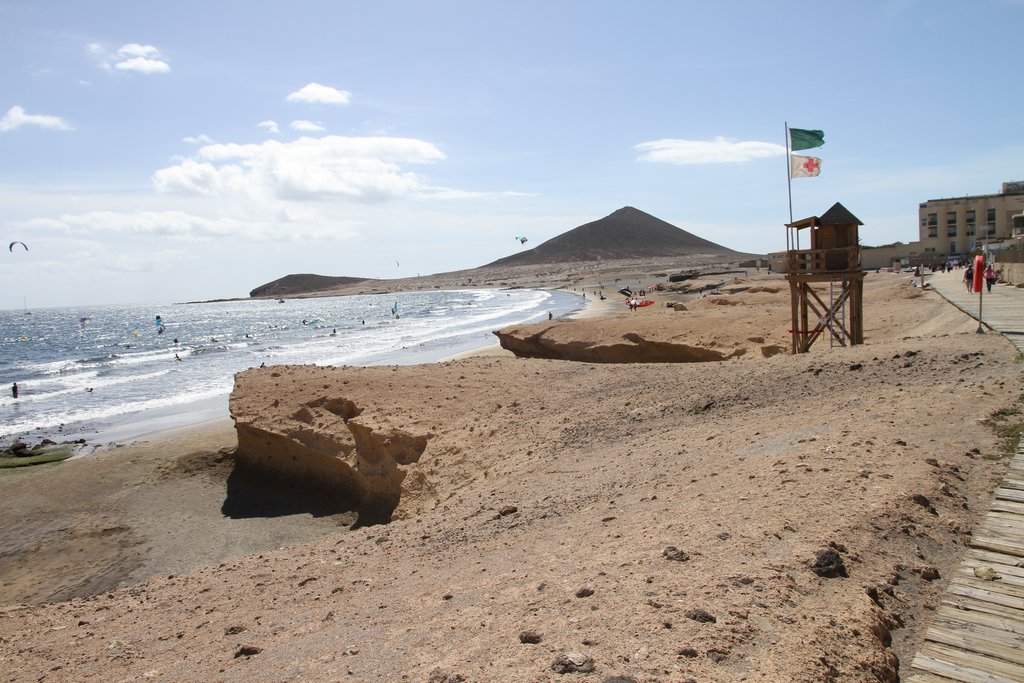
(977, 634)
(1002, 309)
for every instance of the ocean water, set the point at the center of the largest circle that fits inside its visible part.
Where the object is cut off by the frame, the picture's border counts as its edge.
(95, 372)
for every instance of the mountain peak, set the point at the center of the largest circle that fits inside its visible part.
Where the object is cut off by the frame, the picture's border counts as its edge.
(627, 233)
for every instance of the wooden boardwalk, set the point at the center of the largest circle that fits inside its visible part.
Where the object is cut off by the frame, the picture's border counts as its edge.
(977, 634)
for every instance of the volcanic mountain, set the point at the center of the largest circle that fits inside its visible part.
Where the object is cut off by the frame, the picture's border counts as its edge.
(292, 285)
(625, 234)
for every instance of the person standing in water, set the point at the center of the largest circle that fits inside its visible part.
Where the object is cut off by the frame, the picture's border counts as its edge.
(14, 390)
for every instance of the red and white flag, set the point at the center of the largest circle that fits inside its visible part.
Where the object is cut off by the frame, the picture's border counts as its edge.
(804, 167)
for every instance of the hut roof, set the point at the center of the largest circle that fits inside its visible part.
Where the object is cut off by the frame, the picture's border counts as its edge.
(837, 215)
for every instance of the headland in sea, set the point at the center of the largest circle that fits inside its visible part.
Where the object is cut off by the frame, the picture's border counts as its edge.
(760, 517)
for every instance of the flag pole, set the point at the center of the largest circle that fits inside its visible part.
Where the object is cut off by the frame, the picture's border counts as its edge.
(789, 185)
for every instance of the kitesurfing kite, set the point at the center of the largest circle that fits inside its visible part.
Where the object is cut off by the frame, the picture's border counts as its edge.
(522, 240)
(11, 247)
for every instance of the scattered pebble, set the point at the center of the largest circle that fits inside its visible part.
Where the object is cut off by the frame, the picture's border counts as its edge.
(924, 502)
(572, 662)
(529, 637)
(700, 615)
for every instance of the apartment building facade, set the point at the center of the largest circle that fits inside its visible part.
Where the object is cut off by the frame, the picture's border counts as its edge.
(956, 226)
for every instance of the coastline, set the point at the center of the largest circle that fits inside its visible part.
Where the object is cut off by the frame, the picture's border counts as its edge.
(548, 488)
(106, 433)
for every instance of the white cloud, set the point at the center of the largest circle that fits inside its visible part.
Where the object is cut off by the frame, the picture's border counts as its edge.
(314, 93)
(269, 126)
(367, 169)
(144, 59)
(128, 231)
(452, 193)
(143, 66)
(174, 224)
(717, 151)
(307, 126)
(193, 177)
(201, 139)
(16, 117)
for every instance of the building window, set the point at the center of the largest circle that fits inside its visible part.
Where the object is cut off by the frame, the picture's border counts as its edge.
(933, 220)
(951, 218)
(951, 231)
(970, 217)
(990, 217)
(952, 246)
(934, 232)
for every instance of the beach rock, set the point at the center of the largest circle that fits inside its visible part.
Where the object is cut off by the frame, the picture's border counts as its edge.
(828, 564)
(247, 651)
(673, 553)
(529, 637)
(558, 341)
(585, 592)
(572, 662)
(439, 676)
(316, 452)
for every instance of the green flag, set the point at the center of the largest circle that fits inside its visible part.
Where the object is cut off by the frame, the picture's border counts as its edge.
(805, 139)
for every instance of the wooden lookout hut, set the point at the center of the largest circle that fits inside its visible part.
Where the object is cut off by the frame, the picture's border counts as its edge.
(826, 283)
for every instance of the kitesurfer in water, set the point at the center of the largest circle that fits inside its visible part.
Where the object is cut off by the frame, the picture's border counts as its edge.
(14, 390)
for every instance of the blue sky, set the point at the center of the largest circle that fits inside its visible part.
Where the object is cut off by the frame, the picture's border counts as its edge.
(155, 152)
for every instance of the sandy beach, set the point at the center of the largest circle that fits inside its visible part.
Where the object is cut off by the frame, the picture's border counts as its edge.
(621, 521)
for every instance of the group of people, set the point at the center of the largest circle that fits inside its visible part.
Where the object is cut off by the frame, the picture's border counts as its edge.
(989, 275)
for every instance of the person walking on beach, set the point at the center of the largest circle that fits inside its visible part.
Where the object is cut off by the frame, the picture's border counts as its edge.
(990, 277)
(969, 278)
(14, 390)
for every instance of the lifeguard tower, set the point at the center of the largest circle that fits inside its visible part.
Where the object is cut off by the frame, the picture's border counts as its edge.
(834, 258)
